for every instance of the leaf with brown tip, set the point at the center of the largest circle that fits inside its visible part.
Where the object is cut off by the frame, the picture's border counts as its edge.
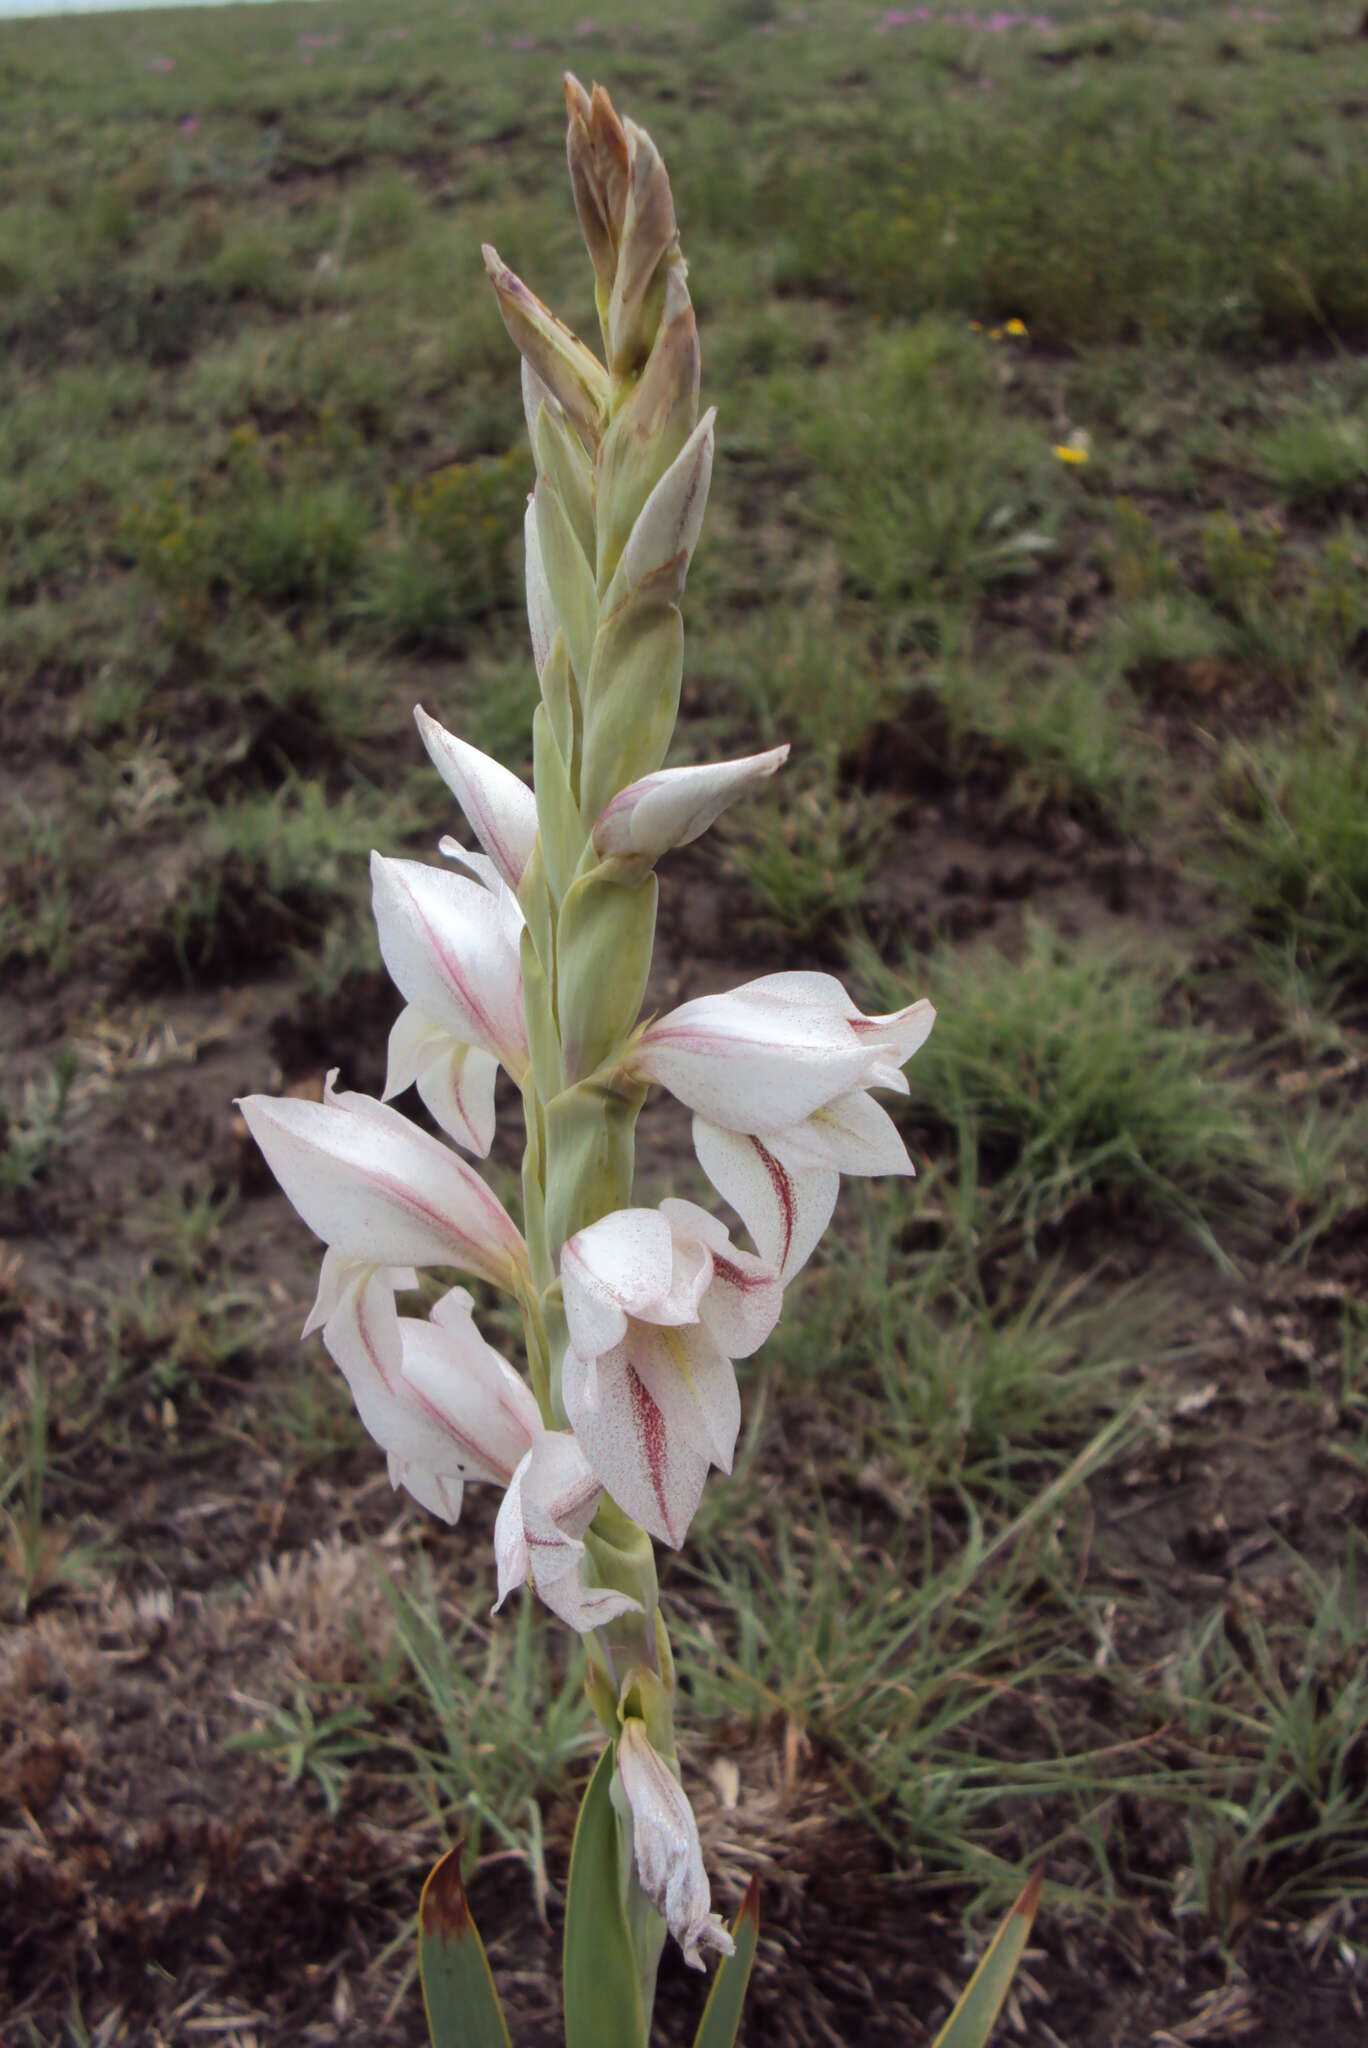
(462, 2006)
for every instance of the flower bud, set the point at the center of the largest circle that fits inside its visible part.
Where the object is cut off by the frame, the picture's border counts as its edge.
(574, 376)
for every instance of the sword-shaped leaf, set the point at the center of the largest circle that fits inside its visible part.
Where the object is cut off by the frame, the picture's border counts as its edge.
(722, 2013)
(463, 2009)
(972, 2021)
(603, 2000)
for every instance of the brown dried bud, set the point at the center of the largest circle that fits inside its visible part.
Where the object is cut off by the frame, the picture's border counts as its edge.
(596, 149)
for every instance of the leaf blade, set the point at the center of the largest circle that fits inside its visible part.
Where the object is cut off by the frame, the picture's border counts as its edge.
(462, 2006)
(975, 2016)
(603, 1999)
(721, 2019)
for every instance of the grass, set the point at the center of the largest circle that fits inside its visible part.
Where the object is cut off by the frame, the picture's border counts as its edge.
(1077, 751)
(1297, 826)
(1063, 1070)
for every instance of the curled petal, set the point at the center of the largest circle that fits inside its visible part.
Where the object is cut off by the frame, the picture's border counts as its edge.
(785, 1209)
(372, 1184)
(653, 1474)
(500, 810)
(669, 1856)
(745, 1295)
(446, 949)
(538, 1534)
(624, 1265)
(338, 1273)
(675, 805)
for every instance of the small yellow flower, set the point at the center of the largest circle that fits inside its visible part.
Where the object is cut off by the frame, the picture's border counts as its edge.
(1070, 451)
(1016, 328)
(996, 334)
(976, 327)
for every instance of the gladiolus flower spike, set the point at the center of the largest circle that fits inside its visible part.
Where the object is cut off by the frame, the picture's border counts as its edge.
(529, 953)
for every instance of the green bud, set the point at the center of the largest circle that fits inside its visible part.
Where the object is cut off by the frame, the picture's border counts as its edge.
(569, 577)
(604, 939)
(632, 700)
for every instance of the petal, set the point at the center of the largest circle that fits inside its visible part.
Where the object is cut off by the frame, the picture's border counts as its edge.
(693, 1384)
(458, 1089)
(338, 1273)
(489, 1414)
(902, 1032)
(853, 1134)
(745, 1296)
(675, 805)
(363, 1338)
(371, 1183)
(500, 810)
(752, 1064)
(669, 523)
(511, 1553)
(550, 1502)
(446, 949)
(655, 1478)
(542, 622)
(669, 1856)
(784, 1210)
(621, 1266)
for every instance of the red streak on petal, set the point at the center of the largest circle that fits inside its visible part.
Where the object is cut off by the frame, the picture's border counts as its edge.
(649, 1424)
(783, 1194)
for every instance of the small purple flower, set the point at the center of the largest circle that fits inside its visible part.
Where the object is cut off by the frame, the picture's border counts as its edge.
(189, 125)
(587, 26)
(162, 64)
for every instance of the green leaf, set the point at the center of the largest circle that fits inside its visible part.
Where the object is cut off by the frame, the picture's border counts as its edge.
(722, 2013)
(972, 2021)
(462, 2006)
(603, 2002)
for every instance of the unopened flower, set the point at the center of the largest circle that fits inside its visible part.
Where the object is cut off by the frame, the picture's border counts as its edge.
(669, 1856)
(675, 805)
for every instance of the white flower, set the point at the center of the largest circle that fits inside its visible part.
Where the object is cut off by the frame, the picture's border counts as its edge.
(658, 1302)
(379, 1190)
(436, 1398)
(451, 944)
(675, 805)
(777, 1073)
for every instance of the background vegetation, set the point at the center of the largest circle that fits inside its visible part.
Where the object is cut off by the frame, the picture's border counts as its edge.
(1037, 528)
